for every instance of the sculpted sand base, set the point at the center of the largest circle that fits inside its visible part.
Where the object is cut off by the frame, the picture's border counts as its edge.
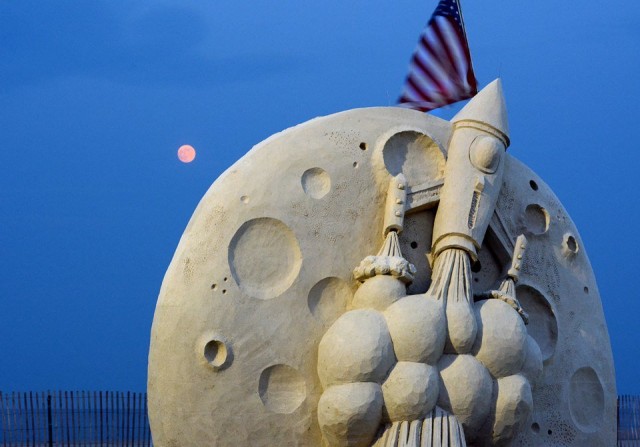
(381, 276)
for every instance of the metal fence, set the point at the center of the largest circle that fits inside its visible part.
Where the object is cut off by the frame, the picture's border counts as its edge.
(74, 419)
(628, 421)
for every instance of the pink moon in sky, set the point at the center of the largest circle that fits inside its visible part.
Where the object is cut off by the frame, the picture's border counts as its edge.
(186, 153)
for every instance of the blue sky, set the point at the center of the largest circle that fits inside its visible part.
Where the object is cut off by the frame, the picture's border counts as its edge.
(96, 97)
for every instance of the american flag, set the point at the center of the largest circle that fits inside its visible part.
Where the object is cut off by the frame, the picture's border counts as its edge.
(440, 72)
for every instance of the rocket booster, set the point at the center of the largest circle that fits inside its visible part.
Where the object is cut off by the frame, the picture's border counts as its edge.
(473, 173)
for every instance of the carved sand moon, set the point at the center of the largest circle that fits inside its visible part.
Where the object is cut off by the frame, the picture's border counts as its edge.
(262, 283)
(186, 153)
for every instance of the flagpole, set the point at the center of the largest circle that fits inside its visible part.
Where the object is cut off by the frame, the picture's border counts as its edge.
(464, 29)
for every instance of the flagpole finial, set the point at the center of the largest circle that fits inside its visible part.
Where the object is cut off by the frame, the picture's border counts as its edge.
(487, 107)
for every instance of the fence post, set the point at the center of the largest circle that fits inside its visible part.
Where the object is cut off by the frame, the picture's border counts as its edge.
(49, 421)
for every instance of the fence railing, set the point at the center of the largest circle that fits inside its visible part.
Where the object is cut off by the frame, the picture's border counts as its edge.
(628, 421)
(74, 419)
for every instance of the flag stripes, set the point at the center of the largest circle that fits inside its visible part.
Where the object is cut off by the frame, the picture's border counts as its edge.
(440, 71)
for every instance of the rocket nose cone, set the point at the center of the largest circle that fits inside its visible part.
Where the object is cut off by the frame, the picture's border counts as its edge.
(488, 107)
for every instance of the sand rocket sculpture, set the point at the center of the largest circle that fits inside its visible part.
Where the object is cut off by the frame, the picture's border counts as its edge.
(477, 322)
(407, 342)
(468, 198)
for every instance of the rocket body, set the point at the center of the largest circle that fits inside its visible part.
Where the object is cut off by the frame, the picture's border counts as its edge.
(473, 174)
(473, 178)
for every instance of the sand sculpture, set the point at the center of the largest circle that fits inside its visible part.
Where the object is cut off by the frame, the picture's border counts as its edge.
(478, 322)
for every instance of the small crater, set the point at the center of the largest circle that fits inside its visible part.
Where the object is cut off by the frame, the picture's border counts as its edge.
(355, 164)
(549, 432)
(586, 399)
(543, 326)
(570, 245)
(216, 352)
(533, 185)
(476, 267)
(264, 257)
(535, 427)
(363, 146)
(536, 219)
(586, 290)
(244, 199)
(328, 299)
(414, 245)
(316, 182)
(415, 155)
(224, 291)
(214, 286)
(282, 389)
